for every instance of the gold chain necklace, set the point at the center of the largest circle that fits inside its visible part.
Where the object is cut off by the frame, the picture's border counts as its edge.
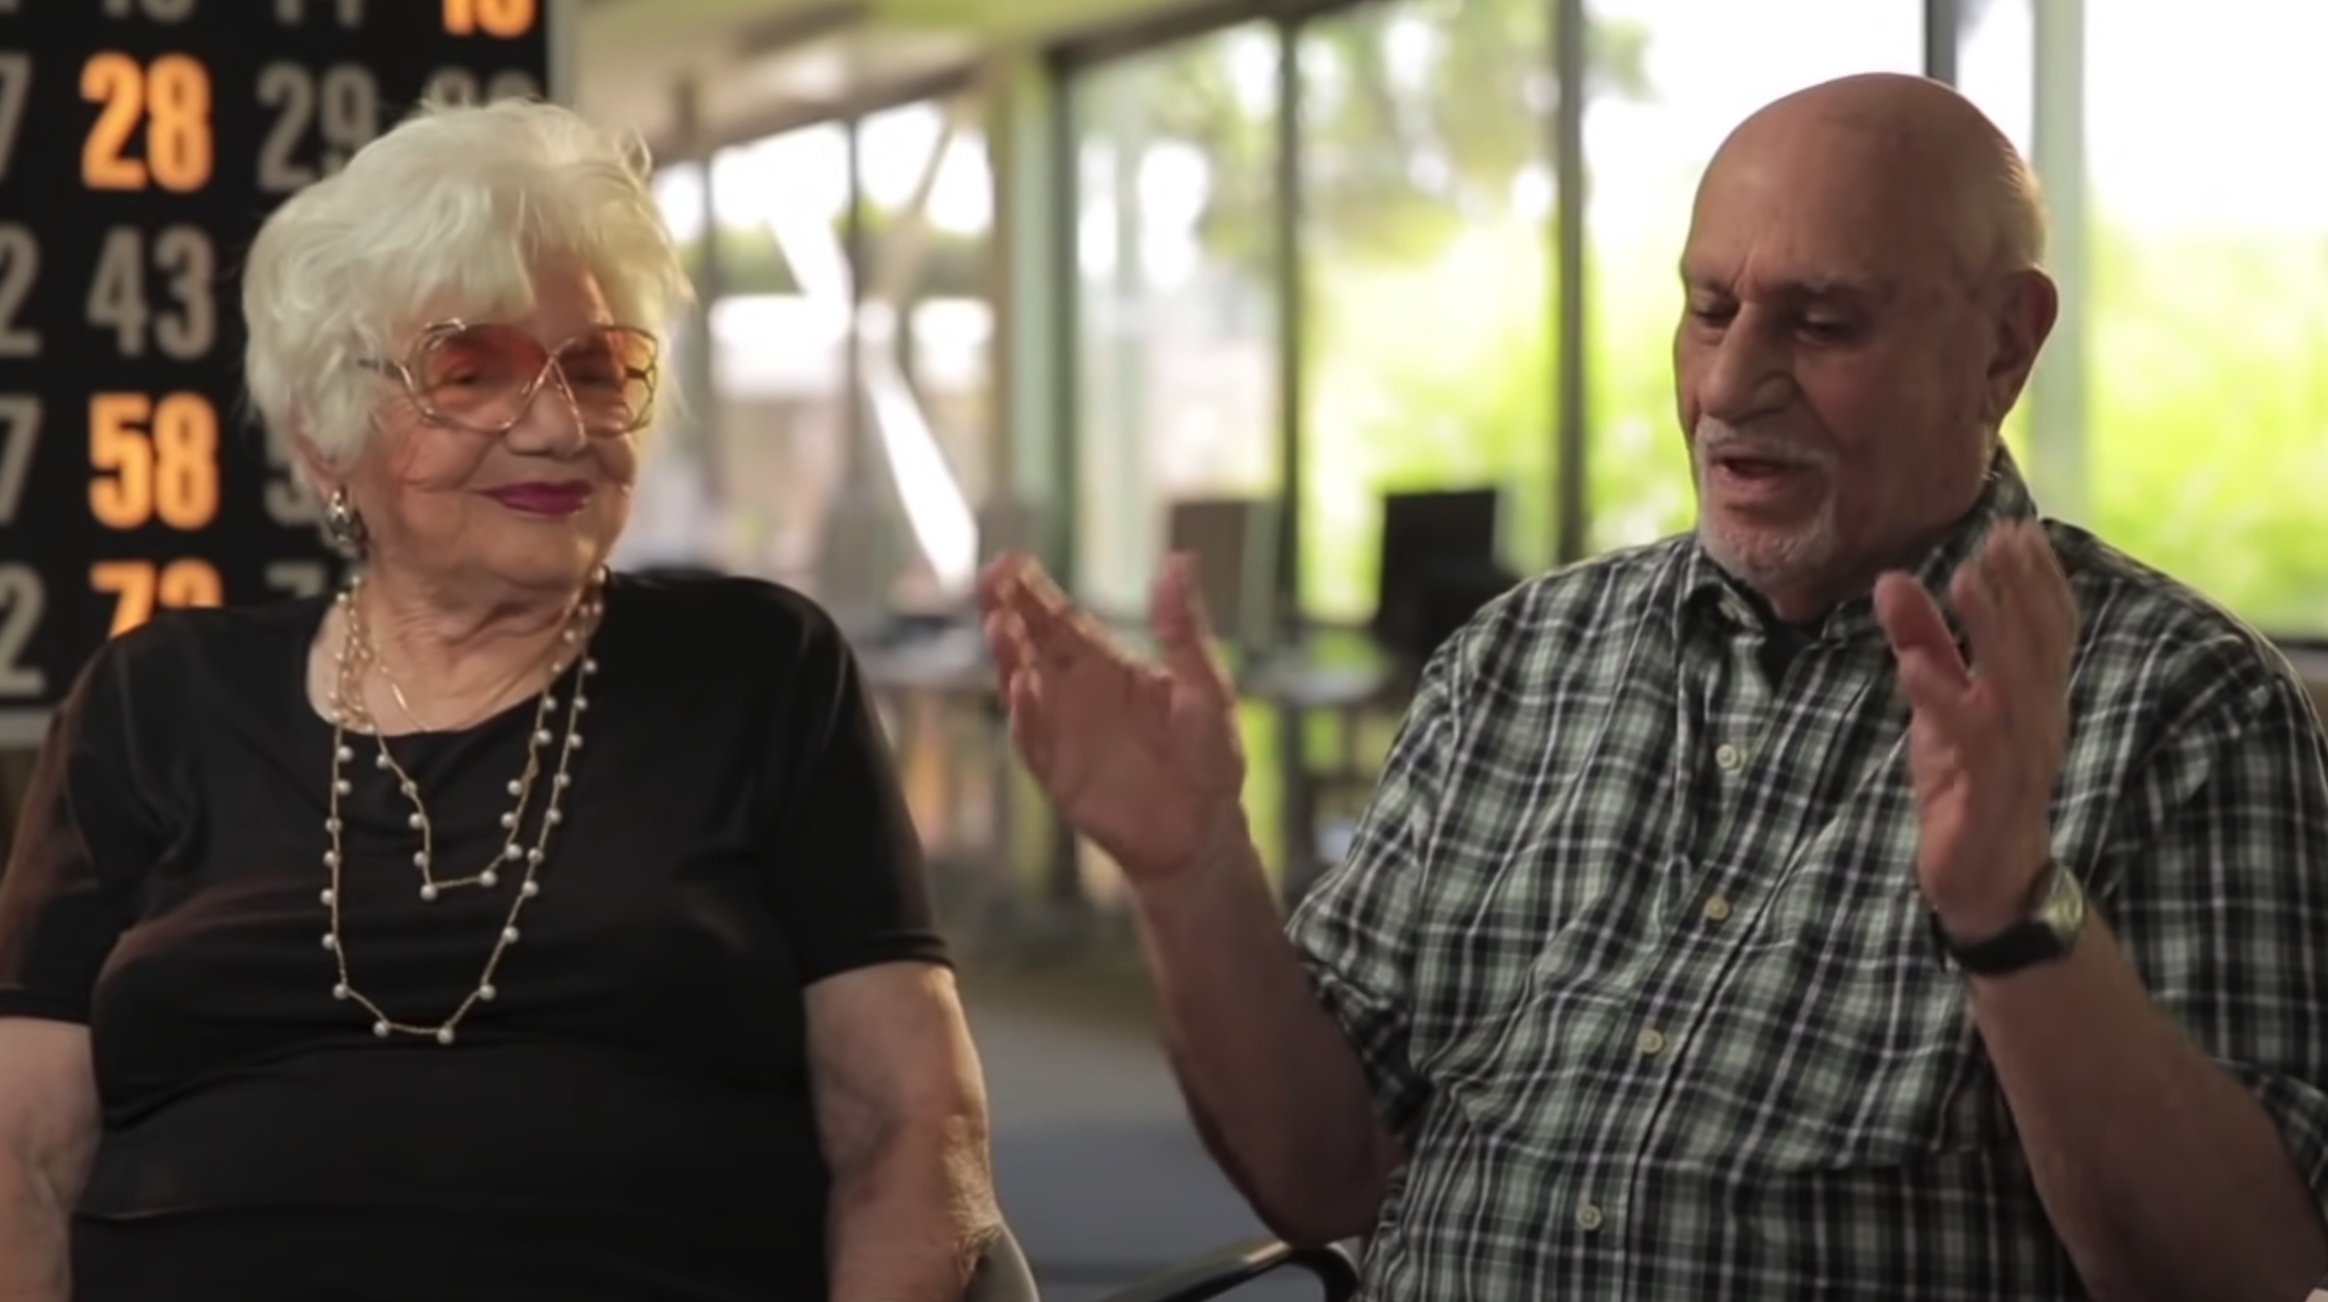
(371, 651)
(349, 711)
(395, 689)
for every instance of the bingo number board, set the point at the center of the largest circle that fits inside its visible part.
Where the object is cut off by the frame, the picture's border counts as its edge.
(141, 144)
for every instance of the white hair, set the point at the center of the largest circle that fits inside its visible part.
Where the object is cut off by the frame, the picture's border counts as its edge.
(2021, 216)
(456, 205)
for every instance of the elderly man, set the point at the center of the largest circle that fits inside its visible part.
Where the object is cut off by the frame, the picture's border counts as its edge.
(1880, 894)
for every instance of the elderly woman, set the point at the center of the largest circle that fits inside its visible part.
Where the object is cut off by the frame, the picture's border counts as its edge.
(334, 964)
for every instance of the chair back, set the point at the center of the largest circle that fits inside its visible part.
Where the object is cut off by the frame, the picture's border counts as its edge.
(1233, 543)
(1003, 1274)
(1333, 1265)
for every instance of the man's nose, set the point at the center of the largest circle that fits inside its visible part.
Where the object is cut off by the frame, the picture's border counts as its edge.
(1748, 374)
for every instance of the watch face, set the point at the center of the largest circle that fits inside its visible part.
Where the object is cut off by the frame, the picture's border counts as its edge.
(2062, 910)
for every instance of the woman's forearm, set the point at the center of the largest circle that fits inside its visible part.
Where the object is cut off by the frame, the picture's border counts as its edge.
(34, 1222)
(911, 1216)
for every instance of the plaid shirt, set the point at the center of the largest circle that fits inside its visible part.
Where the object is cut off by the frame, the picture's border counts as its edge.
(1629, 947)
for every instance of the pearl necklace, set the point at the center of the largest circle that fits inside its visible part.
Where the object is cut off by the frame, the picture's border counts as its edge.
(348, 710)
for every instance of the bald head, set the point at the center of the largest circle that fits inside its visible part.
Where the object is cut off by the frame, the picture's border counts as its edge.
(1864, 306)
(1896, 149)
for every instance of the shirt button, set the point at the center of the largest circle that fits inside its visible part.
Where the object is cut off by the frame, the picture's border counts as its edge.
(1730, 757)
(1718, 909)
(1588, 1217)
(1651, 1043)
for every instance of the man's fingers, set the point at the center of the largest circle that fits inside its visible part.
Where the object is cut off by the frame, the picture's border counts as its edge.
(996, 579)
(2019, 586)
(1912, 623)
(1019, 584)
(2020, 614)
(1999, 643)
(1041, 593)
(1006, 642)
(1936, 692)
(2052, 601)
(1054, 630)
(1176, 614)
(1061, 632)
(1025, 707)
(1932, 675)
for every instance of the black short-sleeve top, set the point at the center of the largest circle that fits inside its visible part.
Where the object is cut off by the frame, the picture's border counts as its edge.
(637, 1088)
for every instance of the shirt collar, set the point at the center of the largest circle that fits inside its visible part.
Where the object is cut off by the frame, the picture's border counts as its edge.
(1708, 596)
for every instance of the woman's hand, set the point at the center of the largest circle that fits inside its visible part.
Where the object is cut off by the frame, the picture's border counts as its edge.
(1142, 758)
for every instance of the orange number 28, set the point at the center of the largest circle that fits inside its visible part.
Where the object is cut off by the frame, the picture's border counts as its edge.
(171, 98)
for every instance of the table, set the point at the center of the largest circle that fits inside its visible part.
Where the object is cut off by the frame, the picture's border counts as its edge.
(930, 681)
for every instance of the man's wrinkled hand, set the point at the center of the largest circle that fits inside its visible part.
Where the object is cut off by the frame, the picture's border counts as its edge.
(1986, 738)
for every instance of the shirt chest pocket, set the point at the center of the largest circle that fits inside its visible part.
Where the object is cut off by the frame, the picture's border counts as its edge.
(1531, 986)
(1838, 1039)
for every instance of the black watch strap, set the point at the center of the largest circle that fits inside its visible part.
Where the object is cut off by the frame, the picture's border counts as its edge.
(2047, 932)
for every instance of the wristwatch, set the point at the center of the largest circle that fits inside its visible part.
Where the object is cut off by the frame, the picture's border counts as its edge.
(2049, 930)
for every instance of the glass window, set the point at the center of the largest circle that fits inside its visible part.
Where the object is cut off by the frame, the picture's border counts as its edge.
(1177, 353)
(774, 469)
(926, 328)
(742, 479)
(1427, 330)
(1705, 65)
(1995, 62)
(668, 511)
(738, 480)
(2207, 278)
(2199, 433)
(1995, 58)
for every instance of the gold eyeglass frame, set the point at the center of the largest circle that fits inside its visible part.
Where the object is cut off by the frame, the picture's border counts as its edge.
(552, 362)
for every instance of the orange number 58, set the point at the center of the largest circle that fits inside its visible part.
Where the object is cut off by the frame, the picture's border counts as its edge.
(138, 586)
(171, 98)
(153, 459)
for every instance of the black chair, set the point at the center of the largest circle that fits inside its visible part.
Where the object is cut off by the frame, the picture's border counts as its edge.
(1334, 1266)
(1003, 1274)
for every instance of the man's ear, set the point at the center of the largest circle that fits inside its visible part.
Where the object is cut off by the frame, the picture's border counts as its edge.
(2027, 307)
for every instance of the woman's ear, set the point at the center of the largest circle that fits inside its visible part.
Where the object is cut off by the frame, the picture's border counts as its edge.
(322, 475)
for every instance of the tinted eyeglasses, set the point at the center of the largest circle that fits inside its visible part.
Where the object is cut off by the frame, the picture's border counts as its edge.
(484, 377)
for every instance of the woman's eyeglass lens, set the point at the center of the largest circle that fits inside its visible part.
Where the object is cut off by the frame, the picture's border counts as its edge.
(484, 377)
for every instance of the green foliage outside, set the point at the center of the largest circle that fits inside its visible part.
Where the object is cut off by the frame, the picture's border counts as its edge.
(1429, 303)
(2207, 438)
(2207, 412)
(1429, 310)
(2208, 452)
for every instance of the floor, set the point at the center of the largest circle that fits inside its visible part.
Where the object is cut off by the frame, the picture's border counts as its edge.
(1100, 1174)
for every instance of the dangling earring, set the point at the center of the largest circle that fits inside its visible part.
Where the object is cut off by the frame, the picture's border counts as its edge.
(343, 529)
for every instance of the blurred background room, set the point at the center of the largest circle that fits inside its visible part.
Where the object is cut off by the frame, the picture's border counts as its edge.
(1368, 304)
